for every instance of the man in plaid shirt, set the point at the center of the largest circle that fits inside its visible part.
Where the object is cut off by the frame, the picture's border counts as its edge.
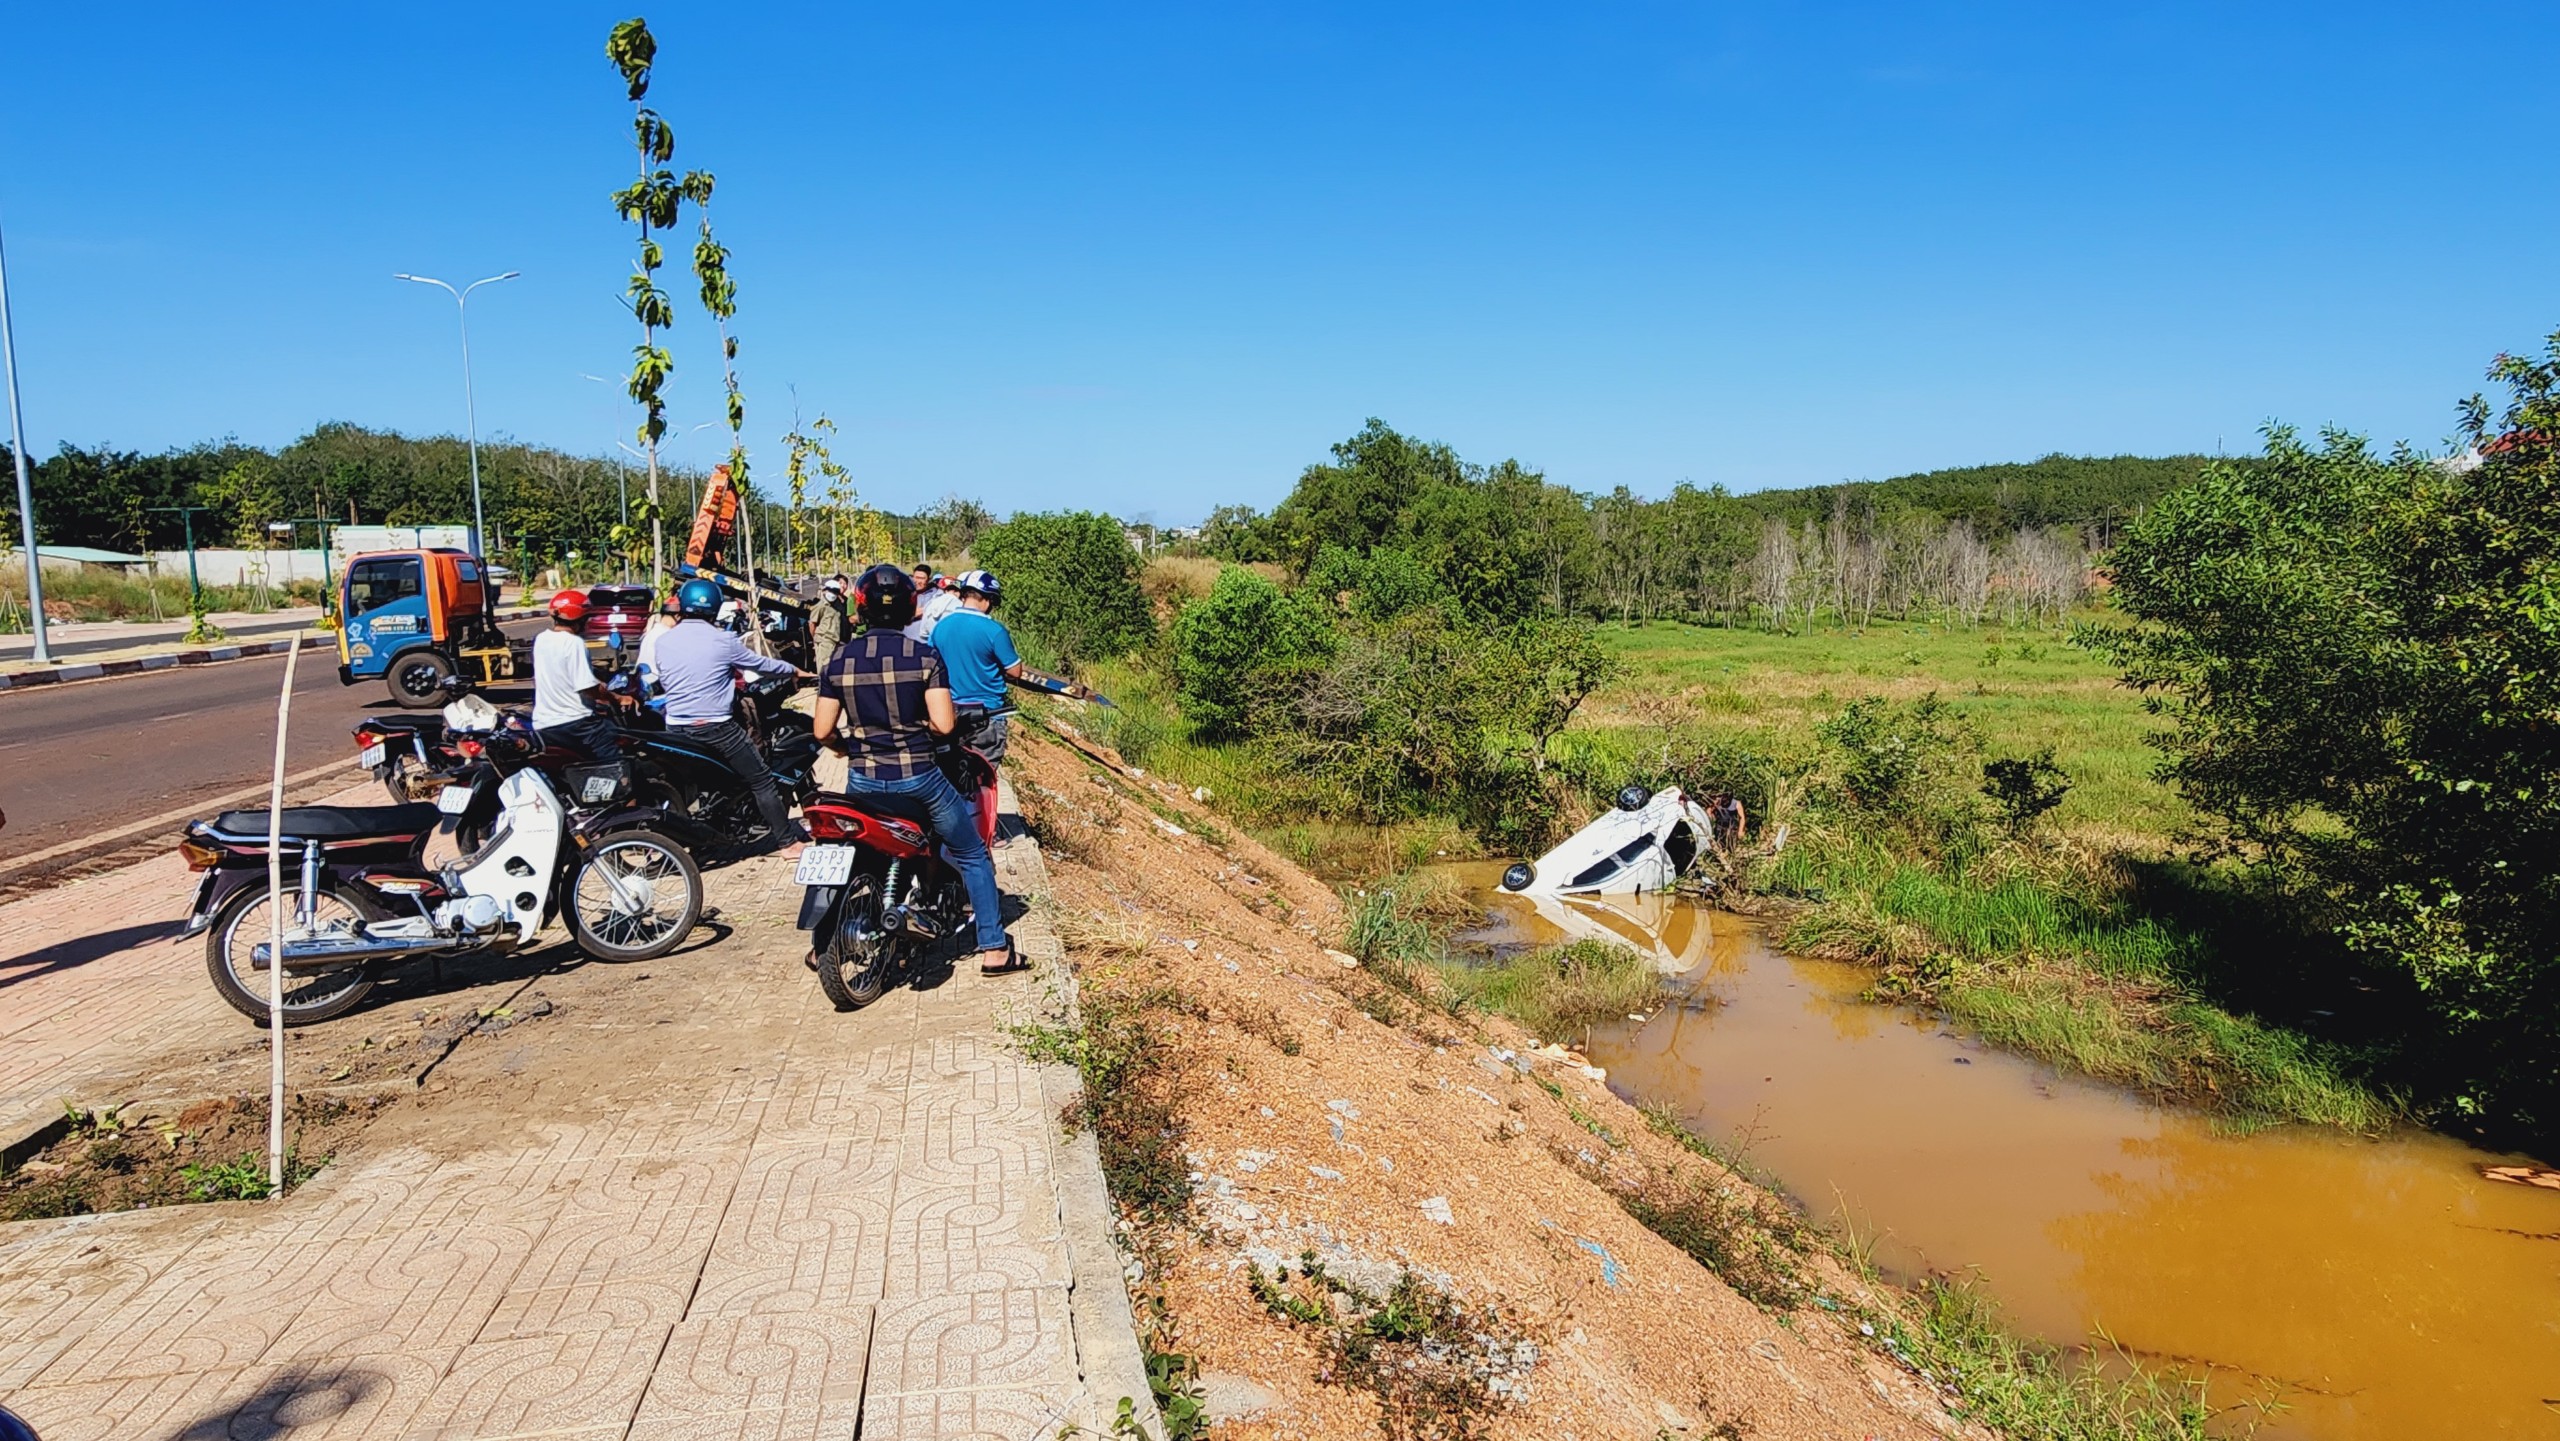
(885, 700)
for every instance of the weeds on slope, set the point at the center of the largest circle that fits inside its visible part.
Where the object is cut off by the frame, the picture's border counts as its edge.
(1440, 1371)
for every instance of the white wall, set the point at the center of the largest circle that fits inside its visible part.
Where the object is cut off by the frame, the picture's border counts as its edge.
(234, 567)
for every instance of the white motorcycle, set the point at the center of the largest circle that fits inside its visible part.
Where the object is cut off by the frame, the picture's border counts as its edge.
(362, 896)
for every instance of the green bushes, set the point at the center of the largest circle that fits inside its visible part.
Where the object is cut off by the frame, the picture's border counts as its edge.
(2359, 656)
(1070, 580)
(1241, 643)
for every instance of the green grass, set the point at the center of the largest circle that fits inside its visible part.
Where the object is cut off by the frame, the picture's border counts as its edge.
(2026, 689)
(2018, 1388)
(91, 595)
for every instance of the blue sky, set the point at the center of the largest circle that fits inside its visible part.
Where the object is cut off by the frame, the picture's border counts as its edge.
(1155, 258)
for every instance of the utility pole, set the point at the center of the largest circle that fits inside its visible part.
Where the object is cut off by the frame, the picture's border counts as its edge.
(26, 489)
(197, 630)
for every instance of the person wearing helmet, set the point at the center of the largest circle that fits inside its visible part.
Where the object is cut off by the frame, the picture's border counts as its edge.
(826, 622)
(698, 664)
(885, 701)
(563, 678)
(979, 652)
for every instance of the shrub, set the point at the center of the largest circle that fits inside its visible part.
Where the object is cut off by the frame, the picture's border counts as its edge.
(1070, 579)
(2023, 788)
(1237, 643)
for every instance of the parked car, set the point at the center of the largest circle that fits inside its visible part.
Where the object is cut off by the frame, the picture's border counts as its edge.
(621, 610)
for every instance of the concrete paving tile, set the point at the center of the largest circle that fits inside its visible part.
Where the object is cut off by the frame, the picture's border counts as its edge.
(973, 1238)
(408, 1291)
(343, 1397)
(743, 1377)
(210, 1311)
(1006, 1415)
(807, 1230)
(548, 1385)
(978, 1340)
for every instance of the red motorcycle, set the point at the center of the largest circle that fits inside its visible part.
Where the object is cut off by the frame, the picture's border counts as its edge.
(877, 889)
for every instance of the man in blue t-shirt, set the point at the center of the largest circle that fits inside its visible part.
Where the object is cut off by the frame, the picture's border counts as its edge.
(978, 652)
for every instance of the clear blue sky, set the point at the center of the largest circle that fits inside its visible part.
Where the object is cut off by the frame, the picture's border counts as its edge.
(1151, 259)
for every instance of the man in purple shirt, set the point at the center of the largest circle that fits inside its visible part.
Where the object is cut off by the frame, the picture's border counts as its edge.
(698, 663)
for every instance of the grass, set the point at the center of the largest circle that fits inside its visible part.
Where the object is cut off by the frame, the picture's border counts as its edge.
(2026, 688)
(2017, 1388)
(1396, 928)
(2043, 944)
(90, 595)
(1125, 1100)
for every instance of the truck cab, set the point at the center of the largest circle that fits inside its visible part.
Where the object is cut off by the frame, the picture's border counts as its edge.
(418, 618)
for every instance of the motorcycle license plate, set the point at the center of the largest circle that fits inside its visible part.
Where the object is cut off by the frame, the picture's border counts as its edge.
(824, 866)
(453, 800)
(372, 756)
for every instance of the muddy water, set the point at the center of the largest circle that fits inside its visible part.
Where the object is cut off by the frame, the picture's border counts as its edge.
(2371, 1289)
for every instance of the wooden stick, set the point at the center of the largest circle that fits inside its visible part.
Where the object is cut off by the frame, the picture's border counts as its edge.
(275, 947)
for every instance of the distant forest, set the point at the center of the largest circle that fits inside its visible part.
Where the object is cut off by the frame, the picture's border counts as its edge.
(1503, 537)
(1503, 540)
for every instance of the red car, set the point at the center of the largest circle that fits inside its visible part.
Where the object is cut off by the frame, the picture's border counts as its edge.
(621, 610)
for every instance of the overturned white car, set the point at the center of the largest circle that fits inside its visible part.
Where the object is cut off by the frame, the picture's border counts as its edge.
(1646, 844)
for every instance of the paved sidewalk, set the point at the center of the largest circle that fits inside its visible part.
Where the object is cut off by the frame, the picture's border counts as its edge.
(695, 1202)
(91, 989)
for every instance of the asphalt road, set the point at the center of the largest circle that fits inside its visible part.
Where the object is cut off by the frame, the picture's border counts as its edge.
(82, 758)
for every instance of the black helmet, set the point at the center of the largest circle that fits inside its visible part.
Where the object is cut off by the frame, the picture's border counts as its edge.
(885, 597)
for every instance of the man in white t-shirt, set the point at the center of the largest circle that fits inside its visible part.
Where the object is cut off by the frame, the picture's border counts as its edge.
(562, 677)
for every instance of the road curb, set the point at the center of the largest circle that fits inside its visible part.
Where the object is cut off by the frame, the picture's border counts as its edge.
(1108, 1351)
(208, 655)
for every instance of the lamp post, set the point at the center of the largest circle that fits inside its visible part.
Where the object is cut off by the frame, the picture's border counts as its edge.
(470, 411)
(26, 490)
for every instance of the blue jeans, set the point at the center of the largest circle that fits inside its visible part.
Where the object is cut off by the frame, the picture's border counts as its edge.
(956, 822)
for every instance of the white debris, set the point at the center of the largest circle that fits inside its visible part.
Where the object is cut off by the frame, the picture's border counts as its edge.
(1436, 1208)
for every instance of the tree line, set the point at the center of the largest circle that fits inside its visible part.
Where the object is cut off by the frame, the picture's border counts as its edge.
(543, 503)
(1504, 541)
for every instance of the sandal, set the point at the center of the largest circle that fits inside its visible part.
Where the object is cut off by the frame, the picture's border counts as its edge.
(1013, 962)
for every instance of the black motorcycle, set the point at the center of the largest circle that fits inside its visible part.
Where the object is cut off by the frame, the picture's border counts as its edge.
(694, 782)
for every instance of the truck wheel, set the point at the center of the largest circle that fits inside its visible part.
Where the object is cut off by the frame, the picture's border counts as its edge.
(417, 679)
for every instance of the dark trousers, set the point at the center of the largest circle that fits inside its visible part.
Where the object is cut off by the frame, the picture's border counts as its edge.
(594, 736)
(738, 748)
(984, 731)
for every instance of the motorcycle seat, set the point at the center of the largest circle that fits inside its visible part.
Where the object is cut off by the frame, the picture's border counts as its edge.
(331, 823)
(887, 807)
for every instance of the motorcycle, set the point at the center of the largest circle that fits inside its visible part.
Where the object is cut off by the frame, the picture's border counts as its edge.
(876, 888)
(694, 782)
(411, 755)
(363, 898)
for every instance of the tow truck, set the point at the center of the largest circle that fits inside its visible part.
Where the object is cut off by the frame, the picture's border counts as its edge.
(417, 619)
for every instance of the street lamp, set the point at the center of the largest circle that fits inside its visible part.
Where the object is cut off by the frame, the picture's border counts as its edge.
(470, 412)
(26, 491)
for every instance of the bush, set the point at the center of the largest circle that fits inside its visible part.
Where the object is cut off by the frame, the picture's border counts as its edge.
(1238, 643)
(2359, 655)
(1070, 579)
(1386, 584)
(2023, 788)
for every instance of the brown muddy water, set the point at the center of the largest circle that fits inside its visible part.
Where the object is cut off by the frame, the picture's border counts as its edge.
(2327, 1286)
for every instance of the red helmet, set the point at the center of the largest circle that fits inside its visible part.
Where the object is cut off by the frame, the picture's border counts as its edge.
(569, 605)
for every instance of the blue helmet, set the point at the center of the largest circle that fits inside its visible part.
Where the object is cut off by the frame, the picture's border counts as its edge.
(698, 599)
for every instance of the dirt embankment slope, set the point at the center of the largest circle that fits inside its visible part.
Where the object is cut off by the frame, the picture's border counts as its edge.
(1316, 1108)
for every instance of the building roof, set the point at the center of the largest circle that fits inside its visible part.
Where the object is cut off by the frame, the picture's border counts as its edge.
(87, 553)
